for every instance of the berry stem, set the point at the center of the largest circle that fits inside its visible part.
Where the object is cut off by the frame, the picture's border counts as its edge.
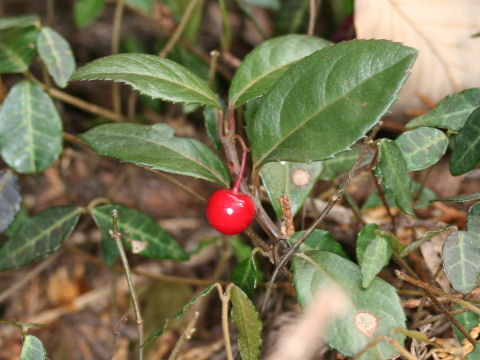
(238, 180)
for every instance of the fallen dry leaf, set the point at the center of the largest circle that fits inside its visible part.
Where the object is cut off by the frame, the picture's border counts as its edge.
(442, 32)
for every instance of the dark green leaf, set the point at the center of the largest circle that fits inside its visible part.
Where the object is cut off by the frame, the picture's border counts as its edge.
(17, 49)
(295, 180)
(319, 240)
(393, 168)
(39, 236)
(372, 312)
(87, 11)
(179, 314)
(10, 198)
(422, 147)
(19, 21)
(57, 55)
(450, 113)
(473, 219)
(156, 147)
(426, 237)
(246, 276)
(466, 147)
(394, 242)
(143, 5)
(267, 63)
(342, 163)
(17, 223)
(365, 237)
(30, 129)
(292, 17)
(461, 260)
(246, 319)
(460, 198)
(468, 320)
(151, 75)
(33, 349)
(211, 120)
(350, 85)
(240, 249)
(140, 234)
(376, 256)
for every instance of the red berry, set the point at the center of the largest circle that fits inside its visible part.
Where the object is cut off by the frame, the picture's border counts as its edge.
(230, 212)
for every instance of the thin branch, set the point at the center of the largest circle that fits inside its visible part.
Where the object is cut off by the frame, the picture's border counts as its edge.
(214, 54)
(314, 7)
(179, 30)
(225, 299)
(333, 200)
(116, 236)
(186, 335)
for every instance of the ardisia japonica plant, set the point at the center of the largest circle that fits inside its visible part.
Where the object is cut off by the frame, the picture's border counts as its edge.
(300, 110)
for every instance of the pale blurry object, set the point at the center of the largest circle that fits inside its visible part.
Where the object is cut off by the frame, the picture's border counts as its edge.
(300, 340)
(442, 31)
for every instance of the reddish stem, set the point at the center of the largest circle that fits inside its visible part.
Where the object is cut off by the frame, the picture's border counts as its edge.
(238, 180)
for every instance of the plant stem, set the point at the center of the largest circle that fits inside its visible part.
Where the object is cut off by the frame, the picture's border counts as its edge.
(179, 30)
(331, 203)
(314, 6)
(214, 54)
(186, 335)
(225, 299)
(118, 241)
(117, 23)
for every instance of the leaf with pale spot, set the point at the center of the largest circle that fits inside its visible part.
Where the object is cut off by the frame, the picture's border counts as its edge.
(466, 147)
(33, 349)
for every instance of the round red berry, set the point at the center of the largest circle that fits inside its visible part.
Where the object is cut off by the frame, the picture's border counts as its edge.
(230, 212)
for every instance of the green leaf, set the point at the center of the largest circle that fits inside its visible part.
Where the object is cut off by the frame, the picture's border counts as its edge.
(295, 180)
(364, 238)
(17, 49)
(422, 147)
(18, 222)
(211, 121)
(262, 67)
(178, 8)
(87, 11)
(461, 260)
(39, 236)
(468, 320)
(57, 55)
(240, 249)
(19, 21)
(143, 5)
(466, 147)
(30, 129)
(393, 168)
(246, 319)
(376, 256)
(426, 237)
(372, 312)
(246, 276)
(392, 238)
(10, 198)
(460, 198)
(318, 240)
(140, 234)
(268, 4)
(156, 147)
(350, 85)
(292, 17)
(151, 75)
(473, 219)
(157, 333)
(33, 349)
(450, 113)
(342, 163)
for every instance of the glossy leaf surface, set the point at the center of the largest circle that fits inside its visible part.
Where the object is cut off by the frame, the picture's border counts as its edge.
(461, 260)
(140, 234)
(156, 147)
(30, 129)
(342, 163)
(450, 113)
(267, 63)
(39, 236)
(295, 180)
(393, 170)
(33, 349)
(319, 240)
(10, 198)
(246, 276)
(466, 147)
(350, 85)
(373, 311)
(473, 219)
(19, 21)
(57, 55)
(17, 49)
(422, 147)
(246, 319)
(151, 75)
